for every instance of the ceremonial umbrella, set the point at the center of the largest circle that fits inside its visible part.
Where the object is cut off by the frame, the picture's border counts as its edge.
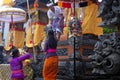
(12, 15)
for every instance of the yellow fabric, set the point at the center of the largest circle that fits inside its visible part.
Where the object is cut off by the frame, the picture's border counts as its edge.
(0, 38)
(59, 3)
(18, 41)
(38, 34)
(67, 15)
(77, 11)
(7, 2)
(50, 68)
(7, 47)
(27, 60)
(28, 37)
(90, 21)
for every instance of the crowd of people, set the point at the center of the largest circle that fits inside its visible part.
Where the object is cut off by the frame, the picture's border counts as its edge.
(50, 66)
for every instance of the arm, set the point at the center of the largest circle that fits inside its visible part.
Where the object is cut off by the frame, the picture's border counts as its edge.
(50, 21)
(49, 17)
(25, 56)
(45, 45)
(61, 16)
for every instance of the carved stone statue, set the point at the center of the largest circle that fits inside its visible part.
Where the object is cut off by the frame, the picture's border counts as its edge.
(106, 59)
(109, 11)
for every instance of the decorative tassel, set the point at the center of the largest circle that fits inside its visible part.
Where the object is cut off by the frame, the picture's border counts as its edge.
(35, 5)
(81, 22)
(31, 41)
(10, 45)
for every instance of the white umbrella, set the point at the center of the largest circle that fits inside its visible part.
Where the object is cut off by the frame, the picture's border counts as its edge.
(12, 14)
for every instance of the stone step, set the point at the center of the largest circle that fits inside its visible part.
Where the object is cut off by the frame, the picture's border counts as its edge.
(42, 79)
(38, 78)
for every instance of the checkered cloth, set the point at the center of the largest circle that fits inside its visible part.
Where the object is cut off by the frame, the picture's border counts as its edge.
(28, 72)
(5, 72)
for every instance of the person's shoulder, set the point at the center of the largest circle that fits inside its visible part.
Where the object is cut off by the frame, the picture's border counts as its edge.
(48, 10)
(57, 7)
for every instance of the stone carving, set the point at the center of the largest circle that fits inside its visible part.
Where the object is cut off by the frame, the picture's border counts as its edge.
(75, 27)
(62, 52)
(77, 42)
(106, 59)
(109, 10)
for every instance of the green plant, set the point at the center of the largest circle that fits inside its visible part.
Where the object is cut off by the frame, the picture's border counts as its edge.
(109, 30)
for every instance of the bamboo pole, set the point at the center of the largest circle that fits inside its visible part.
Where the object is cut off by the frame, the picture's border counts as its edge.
(74, 46)
(29, 21)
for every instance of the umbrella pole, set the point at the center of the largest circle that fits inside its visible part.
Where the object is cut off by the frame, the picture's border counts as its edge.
(12, 26)
(31, 31)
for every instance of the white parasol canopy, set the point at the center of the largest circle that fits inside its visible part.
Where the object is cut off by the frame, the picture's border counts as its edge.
(10, 14)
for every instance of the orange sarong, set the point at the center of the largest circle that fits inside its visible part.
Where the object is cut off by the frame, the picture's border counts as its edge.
(16, 79)
(50, 68)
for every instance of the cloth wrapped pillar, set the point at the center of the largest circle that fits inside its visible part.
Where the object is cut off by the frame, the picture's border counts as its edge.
(38, 30)
(8, 44)
(90, 21)
(18, 40)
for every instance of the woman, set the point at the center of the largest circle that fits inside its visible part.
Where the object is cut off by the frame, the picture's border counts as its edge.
(50, 66)
(16, 65)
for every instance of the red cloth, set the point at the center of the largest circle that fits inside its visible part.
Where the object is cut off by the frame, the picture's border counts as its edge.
(66, 5)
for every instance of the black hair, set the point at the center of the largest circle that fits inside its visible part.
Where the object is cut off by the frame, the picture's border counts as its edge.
(52, 42)
(15, 53)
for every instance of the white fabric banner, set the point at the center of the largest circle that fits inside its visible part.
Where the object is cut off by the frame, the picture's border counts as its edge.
(6, 30)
